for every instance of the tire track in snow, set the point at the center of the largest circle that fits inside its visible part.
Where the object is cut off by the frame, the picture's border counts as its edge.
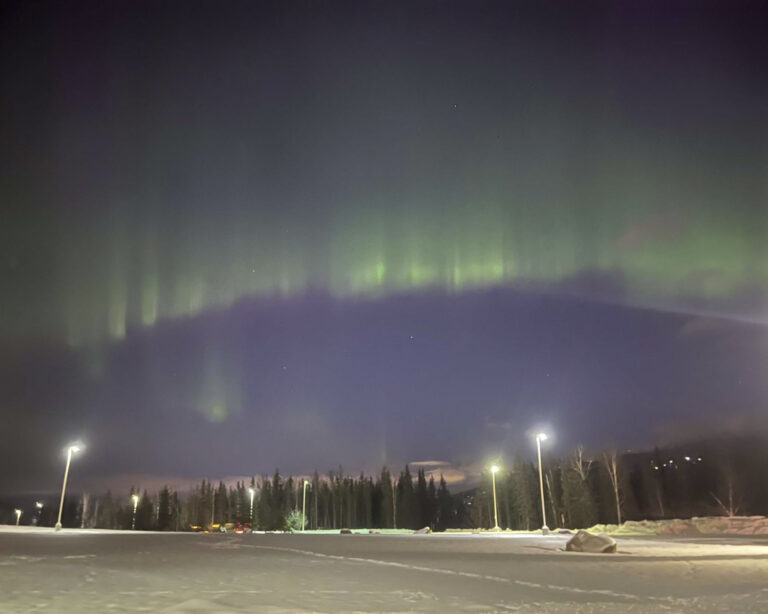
(477, 576)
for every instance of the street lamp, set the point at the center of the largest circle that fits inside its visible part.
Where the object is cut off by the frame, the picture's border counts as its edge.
(304, 506)
(39, 506)
(252, 492)
(494, 471)
(73, 449)
(539, 438)
(135, 498)
(17, 511)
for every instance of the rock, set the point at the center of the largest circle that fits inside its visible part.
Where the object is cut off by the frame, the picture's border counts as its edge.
(586, 542)
(423, 531)
(345, 532)
(564, 532)
(373, 532)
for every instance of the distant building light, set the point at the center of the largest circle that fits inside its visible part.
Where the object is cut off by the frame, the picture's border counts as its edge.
(688, 458)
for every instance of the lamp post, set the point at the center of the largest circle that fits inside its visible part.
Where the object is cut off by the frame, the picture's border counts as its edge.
(252, 492)
(539, 438)
(304, 506)
(39, 506)
(135, 498)
(17, 511)
(70, 451)
(494, 471)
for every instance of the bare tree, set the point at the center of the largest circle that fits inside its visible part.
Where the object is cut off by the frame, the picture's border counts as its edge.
(659, 499)
(86, 517)
(611, 458)
(732, 507)
(577, 500)
(549, 479)
(582, 466)
(394, 503)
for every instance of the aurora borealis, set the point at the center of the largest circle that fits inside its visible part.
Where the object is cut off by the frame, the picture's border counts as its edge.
(124, 274)
(177, 182)
(172, 174)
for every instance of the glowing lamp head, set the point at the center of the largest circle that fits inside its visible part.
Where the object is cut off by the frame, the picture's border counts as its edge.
(74, 448)
(494, 468)
(306, 483)
(250, 490)
(39, 505)
(541, 436)
(135, 499)
(17, 511)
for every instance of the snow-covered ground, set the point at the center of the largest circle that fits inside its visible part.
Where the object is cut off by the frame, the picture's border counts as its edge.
(99, 571)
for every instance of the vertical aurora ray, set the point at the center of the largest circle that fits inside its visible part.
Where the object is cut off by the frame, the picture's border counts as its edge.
(125, 281)
(495, 154)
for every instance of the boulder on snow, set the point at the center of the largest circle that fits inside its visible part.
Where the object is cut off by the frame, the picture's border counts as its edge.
(423, 531)
(586, 542)
(346, 532)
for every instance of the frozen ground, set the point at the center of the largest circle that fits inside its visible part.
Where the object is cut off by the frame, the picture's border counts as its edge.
(103, 571)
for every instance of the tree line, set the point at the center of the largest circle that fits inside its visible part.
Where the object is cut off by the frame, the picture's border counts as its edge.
(717, 477)
(722, 476)
(333, 501)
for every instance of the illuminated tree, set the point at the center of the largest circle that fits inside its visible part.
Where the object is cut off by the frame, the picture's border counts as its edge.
(611, 461)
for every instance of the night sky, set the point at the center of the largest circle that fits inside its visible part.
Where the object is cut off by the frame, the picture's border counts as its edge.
(241, 236)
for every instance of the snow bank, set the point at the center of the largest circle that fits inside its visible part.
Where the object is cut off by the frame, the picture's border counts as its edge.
(718, 525)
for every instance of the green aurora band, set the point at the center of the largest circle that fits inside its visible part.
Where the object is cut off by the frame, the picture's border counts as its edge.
(123, 273)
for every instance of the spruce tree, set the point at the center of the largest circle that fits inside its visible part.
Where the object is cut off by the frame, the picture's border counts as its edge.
(145, 513)
(277, 521)
(164, 510)
(221, 509)
(406, 517)
(445, 507)
(264, 514)
(422, 500)
(387, 508)
(431, 504)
